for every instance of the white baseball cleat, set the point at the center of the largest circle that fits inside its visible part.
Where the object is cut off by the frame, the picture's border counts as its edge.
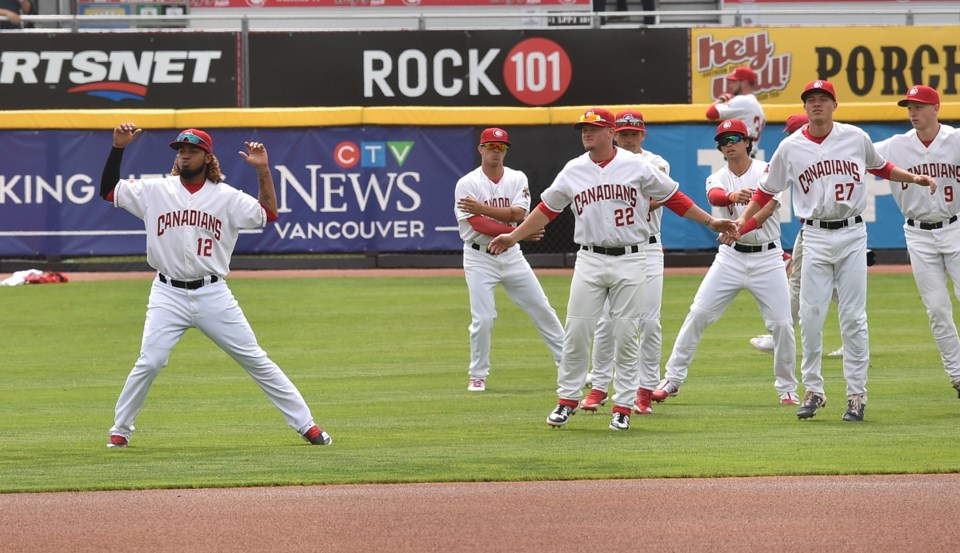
(763, 342)
(836, 353)
(477, 385)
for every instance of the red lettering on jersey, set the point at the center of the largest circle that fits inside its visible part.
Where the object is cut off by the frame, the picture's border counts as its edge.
(189, 217)
(826, 168)
(615, 192)
(498, 202)
(937, 170)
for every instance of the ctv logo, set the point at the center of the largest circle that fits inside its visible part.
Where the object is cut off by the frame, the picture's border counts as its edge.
(371, 154)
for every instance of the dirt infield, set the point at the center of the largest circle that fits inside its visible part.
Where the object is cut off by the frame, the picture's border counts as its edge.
(901, 513)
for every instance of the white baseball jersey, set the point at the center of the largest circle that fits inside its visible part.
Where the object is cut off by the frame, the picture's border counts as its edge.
(725, 180)
(828, 178)
(941, 160)
(610, 204)
(512, 190)
(655, 217)
(189, 236)
(746, 108)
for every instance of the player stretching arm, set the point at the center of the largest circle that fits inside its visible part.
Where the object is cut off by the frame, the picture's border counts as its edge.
(825, 164)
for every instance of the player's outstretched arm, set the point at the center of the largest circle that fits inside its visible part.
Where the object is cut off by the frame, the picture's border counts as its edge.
(256, 155)
(532, 225)
(123, 135)
(900, 175)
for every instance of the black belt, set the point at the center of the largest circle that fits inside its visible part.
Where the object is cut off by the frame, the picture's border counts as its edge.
(753, 249)
(480, 248)
(931, 226)
(653, 239)
(186, 284)
(833, 225)
(612, 251)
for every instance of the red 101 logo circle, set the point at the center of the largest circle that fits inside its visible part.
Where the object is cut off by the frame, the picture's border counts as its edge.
(537, 71)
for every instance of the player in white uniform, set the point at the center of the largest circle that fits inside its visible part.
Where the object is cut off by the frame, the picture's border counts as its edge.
(192, 219)
(490, 200)
(607, 188)
(739, 102)
(932, 229)
(764, 342)
(630, 132)
(825, 163)
(753, 263)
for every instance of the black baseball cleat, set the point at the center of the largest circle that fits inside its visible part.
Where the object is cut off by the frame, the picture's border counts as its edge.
(317, 436)
(856, 405)
(560, 415)
(956, 386)
(812, 402)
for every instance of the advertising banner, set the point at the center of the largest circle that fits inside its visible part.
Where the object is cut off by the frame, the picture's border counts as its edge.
(118, 70)
(418, 4)
(350, 189)
(865, 64)
(339, 190)
(461, 68)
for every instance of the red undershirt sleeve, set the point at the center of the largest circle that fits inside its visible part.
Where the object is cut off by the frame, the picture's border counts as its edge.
(712, 112)
(761, 197)
(749, 226)
(679, 203)
(487, 226)
(883, 172)
(718, 197)
(551, 214)
(271, 217)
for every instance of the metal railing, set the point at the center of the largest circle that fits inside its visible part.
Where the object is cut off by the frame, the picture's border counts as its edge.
(332, 20)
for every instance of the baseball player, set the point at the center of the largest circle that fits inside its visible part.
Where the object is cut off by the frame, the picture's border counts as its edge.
(753, 263)
(192, 220)
(931, 228)
(825, 162)
(629, 133)
(740, 102)
(764, 342)
(607, 188)
(490, 200)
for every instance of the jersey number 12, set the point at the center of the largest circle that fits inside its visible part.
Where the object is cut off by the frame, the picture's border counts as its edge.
(204, 247)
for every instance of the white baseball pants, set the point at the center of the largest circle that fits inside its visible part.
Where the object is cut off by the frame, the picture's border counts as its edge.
(764, 276)
(598, 278)
(835, 258)
(650, 331)
(934, 255)
(214, 311)
(483, 272)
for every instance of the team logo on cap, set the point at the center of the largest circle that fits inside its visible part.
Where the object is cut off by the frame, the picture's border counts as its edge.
(727, 124)
(913, 91)
(498, 133)
(818, 84)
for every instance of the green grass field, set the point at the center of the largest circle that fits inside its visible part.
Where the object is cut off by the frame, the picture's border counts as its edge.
(382, 363)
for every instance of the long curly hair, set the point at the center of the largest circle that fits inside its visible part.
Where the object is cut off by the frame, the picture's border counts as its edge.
(213, 169)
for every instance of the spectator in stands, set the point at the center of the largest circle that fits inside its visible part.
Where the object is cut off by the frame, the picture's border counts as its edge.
(12, 10)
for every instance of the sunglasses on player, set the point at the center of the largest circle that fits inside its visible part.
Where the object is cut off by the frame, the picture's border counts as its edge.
(191, 138)
(494, 147)
(732, 139)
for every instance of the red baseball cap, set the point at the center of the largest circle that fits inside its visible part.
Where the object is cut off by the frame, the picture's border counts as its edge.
(596, 116)
(743, 74)
(195, 137)
(494, 134)
(629, 120)
(794, 122)
(731, 126)
(818, 86)
(921, 94)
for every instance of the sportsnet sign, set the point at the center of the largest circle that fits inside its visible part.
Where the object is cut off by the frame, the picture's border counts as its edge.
(81, 71)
